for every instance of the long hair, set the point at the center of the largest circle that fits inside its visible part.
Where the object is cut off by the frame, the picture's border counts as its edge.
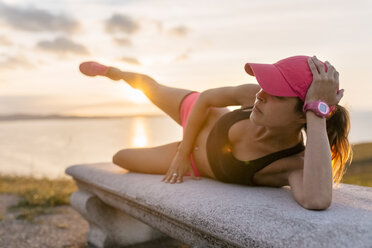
(338, 128)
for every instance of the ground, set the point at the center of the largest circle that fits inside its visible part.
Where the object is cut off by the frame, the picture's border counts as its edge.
(61, 226)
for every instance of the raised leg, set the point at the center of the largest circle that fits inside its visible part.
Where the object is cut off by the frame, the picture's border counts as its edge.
(166, 98)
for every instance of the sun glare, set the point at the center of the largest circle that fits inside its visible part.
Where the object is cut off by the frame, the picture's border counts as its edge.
(137, 96)
(139, 138)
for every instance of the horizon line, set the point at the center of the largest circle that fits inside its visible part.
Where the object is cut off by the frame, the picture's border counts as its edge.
(12, 117)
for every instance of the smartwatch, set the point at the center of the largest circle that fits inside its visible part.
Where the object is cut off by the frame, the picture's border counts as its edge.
(319, 107)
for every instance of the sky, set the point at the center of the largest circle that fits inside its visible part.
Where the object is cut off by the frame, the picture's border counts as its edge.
(191, 44)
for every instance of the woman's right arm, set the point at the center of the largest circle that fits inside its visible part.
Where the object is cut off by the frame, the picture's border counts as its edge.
(244, 95)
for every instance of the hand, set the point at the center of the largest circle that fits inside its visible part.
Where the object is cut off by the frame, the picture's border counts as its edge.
(325, 84)
(180, 165)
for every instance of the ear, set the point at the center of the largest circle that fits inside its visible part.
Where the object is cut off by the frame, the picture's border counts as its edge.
(301, 115)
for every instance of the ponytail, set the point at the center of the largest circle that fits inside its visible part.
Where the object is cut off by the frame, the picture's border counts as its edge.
(338, 128)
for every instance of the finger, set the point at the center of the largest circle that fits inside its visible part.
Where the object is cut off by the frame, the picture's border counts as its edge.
(330, 69)
(336, 76)
(339, 96)
(166, 180)
(341, 93)
(192, 174)
(165, 177)
(179, 180)
(319, 65)
(313, 68)
(168, 176)
(173, 179)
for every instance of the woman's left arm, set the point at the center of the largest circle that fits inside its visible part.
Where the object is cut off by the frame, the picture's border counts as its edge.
(317, 170)
(314, 191)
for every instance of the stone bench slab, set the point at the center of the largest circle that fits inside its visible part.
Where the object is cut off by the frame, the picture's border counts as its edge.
(208, 213)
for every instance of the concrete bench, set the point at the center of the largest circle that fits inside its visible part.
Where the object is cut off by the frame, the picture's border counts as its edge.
(125, 208)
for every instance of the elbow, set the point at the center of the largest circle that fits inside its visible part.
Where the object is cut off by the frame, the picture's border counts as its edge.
(319, 201)
(206, 99)
(203, 98)
(317, 205)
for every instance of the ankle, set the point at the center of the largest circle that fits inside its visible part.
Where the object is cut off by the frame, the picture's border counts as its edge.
(114, 73)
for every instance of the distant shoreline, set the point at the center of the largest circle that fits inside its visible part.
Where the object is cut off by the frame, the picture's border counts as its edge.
(50, 117)
(21, 117)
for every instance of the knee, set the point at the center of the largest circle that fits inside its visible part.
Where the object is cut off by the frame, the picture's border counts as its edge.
(119, 158)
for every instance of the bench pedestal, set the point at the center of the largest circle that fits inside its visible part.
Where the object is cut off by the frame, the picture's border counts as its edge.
(109, 227)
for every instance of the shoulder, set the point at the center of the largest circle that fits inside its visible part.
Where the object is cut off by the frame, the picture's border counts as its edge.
(277, 173)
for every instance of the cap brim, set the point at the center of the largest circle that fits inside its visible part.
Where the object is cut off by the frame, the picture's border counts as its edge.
(270, 79)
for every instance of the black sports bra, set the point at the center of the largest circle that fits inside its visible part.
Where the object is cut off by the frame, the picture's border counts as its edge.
(224, 165)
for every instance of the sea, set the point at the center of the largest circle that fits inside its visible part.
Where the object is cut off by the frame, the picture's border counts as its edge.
(46, 147)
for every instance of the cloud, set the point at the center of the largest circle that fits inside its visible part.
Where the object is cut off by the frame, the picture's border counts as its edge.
(179, 31)
(34, 20)
(63, 45)
(4, 41)
(14, 62)
(159, 25)
(123, 41)
(184, 56)
(121, 23)
(130, 60)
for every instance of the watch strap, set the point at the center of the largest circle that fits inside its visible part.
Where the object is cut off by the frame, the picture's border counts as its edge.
(314, 106)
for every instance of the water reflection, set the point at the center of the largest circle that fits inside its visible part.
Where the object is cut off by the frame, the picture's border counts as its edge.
(139, 135)
(47, 147)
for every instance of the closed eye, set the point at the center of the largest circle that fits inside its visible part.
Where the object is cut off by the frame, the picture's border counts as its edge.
(280, 97)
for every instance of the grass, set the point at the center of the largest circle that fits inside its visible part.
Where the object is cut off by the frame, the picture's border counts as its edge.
(362, 151)
(360, 170)
(364, 179)
(38, 196)
(359, 173)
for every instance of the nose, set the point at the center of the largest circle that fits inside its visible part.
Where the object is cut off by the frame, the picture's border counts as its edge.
(261, 95)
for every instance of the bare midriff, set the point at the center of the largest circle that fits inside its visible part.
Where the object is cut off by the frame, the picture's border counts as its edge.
(200, 149)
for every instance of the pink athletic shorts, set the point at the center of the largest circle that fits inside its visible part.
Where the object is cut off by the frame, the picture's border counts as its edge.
(185, 110)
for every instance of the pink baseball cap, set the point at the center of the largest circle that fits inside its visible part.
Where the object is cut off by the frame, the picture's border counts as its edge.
(289, 77)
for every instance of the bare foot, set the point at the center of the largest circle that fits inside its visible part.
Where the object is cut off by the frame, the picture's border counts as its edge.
(92, 69)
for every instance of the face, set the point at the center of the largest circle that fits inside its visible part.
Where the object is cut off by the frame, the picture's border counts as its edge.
(278, 112)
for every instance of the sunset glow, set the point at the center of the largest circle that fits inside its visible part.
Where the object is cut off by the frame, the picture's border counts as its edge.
(41, 48)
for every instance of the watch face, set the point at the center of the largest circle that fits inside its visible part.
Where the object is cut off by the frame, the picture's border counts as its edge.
(323, 108)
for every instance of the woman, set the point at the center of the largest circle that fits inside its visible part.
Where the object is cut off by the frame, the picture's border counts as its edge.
(259, 144)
